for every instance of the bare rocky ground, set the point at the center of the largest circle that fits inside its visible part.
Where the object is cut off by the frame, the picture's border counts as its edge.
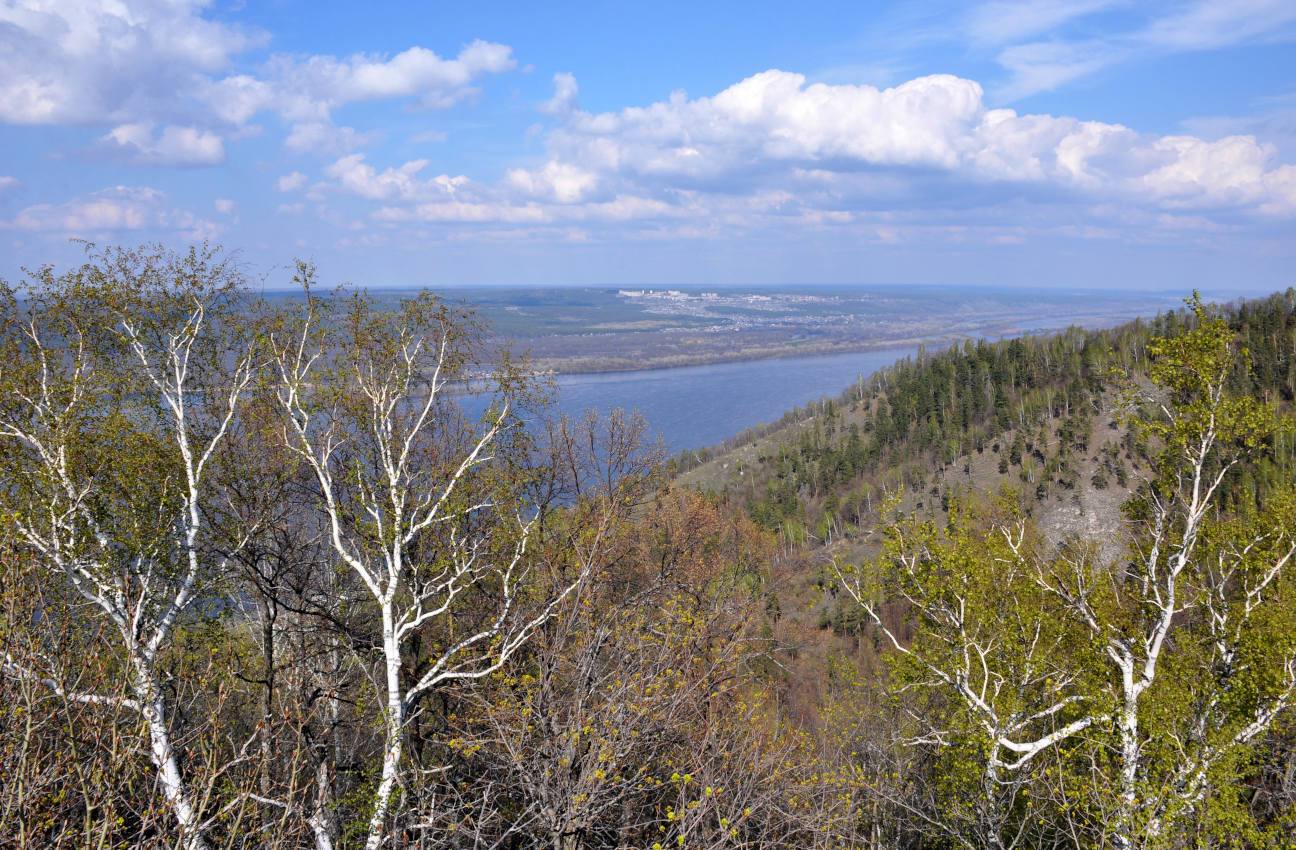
(1086, 512)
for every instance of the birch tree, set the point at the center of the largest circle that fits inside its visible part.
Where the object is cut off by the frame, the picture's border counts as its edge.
(121, 381)
(1197, 629)
(1154, 676)
(420, 503)
(995, 675)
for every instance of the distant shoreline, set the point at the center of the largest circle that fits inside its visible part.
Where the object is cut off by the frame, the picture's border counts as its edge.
(560, 367)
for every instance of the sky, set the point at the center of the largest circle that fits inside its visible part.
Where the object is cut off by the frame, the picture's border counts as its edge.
(1032, 143)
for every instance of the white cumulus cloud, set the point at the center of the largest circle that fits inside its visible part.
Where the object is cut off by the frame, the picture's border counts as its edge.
(323, 137)
(307, 90)
(110, 211)
(138, 65)
(773, 131)
(358, 177)
(565, 91)
(172, 146)
(556, 181)
(291, 182)
(88, 62)
(776, 154)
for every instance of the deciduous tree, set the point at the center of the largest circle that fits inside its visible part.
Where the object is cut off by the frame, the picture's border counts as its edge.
(420, 503)
(120, 384)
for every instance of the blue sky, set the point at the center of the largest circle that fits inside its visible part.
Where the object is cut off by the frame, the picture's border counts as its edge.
(1147, 145)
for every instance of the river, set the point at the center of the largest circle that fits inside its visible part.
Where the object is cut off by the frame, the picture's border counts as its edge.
(695, 406)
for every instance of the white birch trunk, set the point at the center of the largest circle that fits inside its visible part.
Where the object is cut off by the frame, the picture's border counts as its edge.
(406, 487)
(394, 728)
(174, 789)
(320, 821)
(1128, 724)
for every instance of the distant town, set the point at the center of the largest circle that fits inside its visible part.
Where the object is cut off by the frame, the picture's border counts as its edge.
(595, 330)
(676, 296)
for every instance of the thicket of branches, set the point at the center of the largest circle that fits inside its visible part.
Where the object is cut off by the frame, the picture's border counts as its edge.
(265, 584)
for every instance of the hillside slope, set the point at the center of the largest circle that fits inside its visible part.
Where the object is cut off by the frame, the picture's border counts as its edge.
(1038, 417)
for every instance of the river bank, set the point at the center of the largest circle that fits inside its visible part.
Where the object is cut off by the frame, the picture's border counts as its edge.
(690, 407)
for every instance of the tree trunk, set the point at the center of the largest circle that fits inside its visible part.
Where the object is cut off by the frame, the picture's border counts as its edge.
(153, 711)
(1123, 828)
(988, 814)
(395, 733)
(320, 821)
(267, 701)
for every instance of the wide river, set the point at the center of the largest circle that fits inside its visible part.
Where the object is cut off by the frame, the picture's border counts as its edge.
(695, 406)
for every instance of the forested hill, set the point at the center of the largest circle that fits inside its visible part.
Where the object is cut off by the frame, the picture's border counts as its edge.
(1037, 413)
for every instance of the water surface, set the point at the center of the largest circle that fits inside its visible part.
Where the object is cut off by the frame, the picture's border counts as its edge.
(695, 406)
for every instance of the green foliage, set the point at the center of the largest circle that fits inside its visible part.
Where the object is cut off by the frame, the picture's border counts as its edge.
(1037, 399)
(681, 696)
(1155, 679)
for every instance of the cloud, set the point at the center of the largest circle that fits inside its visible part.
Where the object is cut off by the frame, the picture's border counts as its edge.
(1208, 25)
(1231, 171)
(556, 192)
(137, 65)
(1274, 121)
(1047, 66)
(416, 72)
(224, 205)
(324, 138)
(291, 182)
(774, 131)
(1005, 21)
(770, 121)
(112, 211)
(86, 62)
(564, 100)
(1041, 54)
(8, 184)
(307, 90)
(464, 211)
(358, 177)
(428, 136)
(556, 181)
(175, 146)
(774, 155)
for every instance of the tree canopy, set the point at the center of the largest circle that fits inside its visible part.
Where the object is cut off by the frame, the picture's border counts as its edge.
(266, 582)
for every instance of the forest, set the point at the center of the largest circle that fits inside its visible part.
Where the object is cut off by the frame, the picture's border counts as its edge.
(264, 584)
